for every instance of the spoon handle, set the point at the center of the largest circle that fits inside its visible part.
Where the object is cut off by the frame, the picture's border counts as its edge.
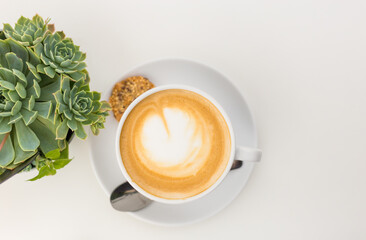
(236, 164)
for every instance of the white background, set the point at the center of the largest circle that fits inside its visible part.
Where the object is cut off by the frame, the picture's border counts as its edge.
(299, 64)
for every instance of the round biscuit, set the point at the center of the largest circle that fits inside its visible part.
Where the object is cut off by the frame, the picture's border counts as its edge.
(125, 91)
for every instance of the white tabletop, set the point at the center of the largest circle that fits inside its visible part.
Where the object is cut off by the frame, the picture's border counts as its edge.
(299, 64)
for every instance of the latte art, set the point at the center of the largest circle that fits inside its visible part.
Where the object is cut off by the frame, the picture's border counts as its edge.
(174, 139)
(175, 144)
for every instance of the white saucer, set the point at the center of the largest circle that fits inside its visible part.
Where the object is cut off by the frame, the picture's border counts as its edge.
(180, 71)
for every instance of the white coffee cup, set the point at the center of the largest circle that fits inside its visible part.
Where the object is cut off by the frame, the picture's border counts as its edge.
(242, 153)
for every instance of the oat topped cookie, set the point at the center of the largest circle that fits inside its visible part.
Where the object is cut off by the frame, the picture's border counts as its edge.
(125, 91)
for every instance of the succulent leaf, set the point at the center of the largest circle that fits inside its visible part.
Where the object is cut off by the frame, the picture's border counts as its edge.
(20, 155)
(28, 141)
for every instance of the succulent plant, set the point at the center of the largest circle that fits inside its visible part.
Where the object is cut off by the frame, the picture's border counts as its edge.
(28, 32)
(44, 93)
(79, 106)
(24, 111)
(60, 55)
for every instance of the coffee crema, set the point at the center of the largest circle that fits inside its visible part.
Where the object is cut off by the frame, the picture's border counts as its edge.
(175, 144)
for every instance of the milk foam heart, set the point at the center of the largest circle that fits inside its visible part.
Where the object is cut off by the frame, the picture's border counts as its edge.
(175, 144)
(171, 138)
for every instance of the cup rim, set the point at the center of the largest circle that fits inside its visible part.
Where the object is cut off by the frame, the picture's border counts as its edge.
(139, 99)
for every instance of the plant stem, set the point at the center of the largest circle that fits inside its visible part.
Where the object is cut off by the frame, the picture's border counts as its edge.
(3, 141)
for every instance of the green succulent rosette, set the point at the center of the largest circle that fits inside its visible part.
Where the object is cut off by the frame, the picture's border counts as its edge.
(26, 115)
(60, 55)
(28, 32)
(79, 106)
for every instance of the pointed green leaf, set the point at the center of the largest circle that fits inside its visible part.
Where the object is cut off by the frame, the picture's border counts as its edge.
(62, 130)
(6, 74)
(43, 109)
(13, 61)
(27, 38)
(33, 58)
(55, 67)
(45, 59)
(4, 48)
(80, 132)
(47, 137)
(15, 118)
(96, 95)
(20, 155)
(27, 139)
(38, 49)
(20, 76)
(5, 114)
(80, 118)
(96, 107)
(21, 90)
(50, 71)
(62, 108)
(44, 171)
(28, 116)
(41, 67)
(105, 106)
(4, 126)
(51, 122)
(72, 124)
(62, 144)
(16, 108)
(76, 76)
(59, 60)
(13, 95)
(7, 85)
(65, 152)
(19, 50)
(85, 88)
(28, 103)
(80, 66)
(66, 95)
(34, 90)
(9, 105)
(77, 56)
(65, 83)
(58, 164)
(33, 70)
(58, 97)
(22, 20)
(95, 129)
(53, 154)
(48, 91)
(66, 63)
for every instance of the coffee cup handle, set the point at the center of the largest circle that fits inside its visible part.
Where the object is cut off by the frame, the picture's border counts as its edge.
(247, 154)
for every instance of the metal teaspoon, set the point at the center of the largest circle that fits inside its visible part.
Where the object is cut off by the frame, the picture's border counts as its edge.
(126, 199)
